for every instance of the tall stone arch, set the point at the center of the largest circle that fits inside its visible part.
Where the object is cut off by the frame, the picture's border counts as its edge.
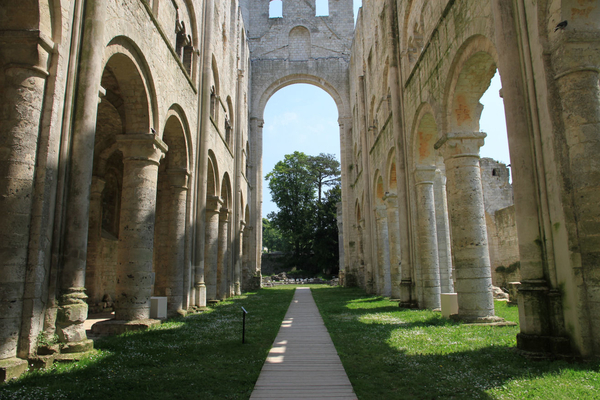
(282, 53)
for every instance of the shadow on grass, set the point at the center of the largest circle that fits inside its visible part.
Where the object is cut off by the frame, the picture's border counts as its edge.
(394, 353)
(200, 356)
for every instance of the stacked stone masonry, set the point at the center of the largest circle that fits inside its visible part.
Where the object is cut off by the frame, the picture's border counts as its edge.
(131, 156)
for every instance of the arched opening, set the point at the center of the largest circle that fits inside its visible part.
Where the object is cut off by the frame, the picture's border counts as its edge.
(122, 112)
(224, 267)
(303, 118)
(382, 275)
(171, 202)
(472, 190)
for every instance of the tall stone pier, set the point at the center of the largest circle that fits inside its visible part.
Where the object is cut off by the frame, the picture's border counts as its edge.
(467, 220)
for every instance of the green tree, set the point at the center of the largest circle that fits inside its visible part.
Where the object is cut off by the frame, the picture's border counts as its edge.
(307, 211)
(326, 244)
(291, 185)
(326, 171)
(272, 238)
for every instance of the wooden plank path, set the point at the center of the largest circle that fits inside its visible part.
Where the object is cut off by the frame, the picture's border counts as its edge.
(303, 363)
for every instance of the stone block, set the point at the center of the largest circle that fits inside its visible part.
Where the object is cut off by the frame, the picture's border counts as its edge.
(117, 327)
(41, 362)
(12, 368)
(78, 347)
(449, 304)
(158, 307)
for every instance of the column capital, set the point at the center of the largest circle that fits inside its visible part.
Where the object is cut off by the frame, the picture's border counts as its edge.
(142, 146)
(224, 212)
(178, 177)
(97, 185)
(460, 144)
(213, 204)
(424, 174)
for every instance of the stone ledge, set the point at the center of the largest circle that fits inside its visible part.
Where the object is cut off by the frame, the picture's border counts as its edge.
(12, 368)
(78, 347)
(482, 321)
(117, 327)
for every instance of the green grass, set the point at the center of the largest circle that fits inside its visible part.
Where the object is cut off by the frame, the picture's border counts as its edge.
(393, 353)
(197, 357)
(388, 353)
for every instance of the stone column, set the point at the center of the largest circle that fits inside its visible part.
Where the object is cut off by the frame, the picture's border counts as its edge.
(222, 255)
(211, 246)
(575, 54)
(170, 265)
(72, 306)
(141, 157)
(427, 236)
(443, 232)
(467, 220)
(20, 120)
(93, 269)
(240, 261)
(384, 281)
(391, 202)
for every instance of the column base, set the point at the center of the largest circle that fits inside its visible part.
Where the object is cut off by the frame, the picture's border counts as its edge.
(41, 362)
(78, 347)
(117, 327)
(544, 346)
(12, 368)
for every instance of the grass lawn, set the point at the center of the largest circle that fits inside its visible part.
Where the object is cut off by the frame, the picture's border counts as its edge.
(393, 353)
(197, 357)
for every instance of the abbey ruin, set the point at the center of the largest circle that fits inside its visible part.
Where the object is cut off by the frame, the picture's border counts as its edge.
(131, 149)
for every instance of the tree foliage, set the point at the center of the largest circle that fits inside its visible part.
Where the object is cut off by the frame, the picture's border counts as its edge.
(307, 210)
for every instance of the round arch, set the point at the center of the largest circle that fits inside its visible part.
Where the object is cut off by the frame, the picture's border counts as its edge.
(472, 69)
(176, 111)
(130, 54)
(424, 134)
(300, 78)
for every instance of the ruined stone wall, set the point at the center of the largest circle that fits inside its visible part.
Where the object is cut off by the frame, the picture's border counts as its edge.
(446, 54)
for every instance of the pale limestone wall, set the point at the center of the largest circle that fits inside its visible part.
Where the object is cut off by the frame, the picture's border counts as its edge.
(139, 73)
(506, 266)
(447, 53)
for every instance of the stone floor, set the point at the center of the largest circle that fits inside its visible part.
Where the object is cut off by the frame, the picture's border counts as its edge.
(303, 363)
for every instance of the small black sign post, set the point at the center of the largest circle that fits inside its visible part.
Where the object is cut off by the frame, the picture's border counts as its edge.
(244, 312)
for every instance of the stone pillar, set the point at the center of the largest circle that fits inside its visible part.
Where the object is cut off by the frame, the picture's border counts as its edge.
(72, 306)
(20, 120)
(383, 276)
(170, 265)
(427, 237)
(93, 272)
(141, 157)
(443, 232)
(240, 260)
(467, 220)
(222, 255)
(211, 246)
(575, 54)
(391, 202)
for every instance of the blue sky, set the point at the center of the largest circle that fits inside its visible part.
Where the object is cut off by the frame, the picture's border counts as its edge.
(304, 118)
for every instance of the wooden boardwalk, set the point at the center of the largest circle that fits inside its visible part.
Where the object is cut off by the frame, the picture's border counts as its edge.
(303, 363)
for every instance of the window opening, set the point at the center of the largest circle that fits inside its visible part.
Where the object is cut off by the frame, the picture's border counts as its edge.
(322, 8)
(276, 9)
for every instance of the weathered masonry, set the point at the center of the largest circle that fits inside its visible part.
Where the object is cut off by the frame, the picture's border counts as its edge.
(131, 148)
